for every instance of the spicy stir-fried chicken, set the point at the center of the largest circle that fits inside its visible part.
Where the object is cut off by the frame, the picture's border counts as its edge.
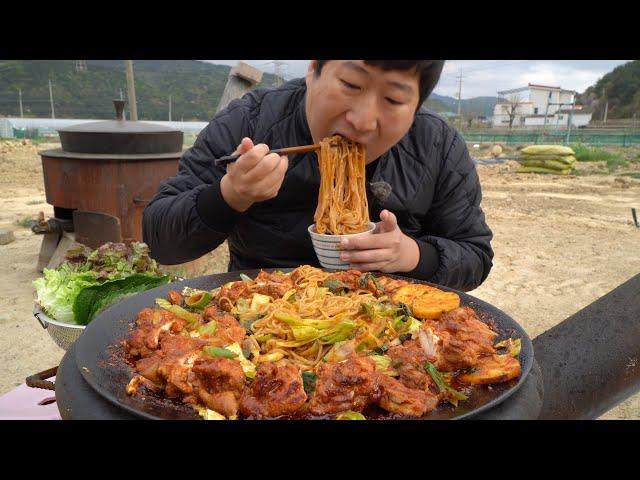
(213, 358)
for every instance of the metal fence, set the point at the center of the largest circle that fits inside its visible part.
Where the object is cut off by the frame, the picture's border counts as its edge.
(622, 139)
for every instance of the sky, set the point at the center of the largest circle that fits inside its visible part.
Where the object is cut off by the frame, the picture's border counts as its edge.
(486, 77)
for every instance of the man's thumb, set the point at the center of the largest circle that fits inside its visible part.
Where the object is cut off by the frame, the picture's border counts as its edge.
(389, 221)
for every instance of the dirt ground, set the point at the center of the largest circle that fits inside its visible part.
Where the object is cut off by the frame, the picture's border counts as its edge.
(560, 243)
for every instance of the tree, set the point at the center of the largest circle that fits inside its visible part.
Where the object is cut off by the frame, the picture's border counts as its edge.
(510, 107)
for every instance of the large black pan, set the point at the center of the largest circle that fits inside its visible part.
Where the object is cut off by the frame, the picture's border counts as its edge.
(100, 359)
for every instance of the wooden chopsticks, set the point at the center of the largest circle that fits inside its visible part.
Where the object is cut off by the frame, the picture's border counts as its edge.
(280, 151)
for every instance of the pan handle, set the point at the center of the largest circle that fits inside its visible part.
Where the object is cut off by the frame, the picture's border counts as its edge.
(39, 380)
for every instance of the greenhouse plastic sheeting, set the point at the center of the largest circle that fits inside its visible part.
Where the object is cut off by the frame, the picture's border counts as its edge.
(621, 139)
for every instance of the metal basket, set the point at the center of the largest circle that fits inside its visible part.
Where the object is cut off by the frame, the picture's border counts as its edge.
(64, 334)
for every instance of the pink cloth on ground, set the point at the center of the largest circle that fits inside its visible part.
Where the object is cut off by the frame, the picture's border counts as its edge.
(23, 403)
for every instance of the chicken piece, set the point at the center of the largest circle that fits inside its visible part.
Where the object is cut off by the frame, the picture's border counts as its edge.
(296, 275)
(273, 284)
(228, 329)
(219, 374)
(492, 369)
(229, 294)
(180, 354)
(408, 360)
(211, 312)
(275, 391)
(276, 277)
(349, 278)
(144, 339)
(138, 380)
(397, 398)
(349, 385)
(391, 285)
(218, 382)
(354, 280)
(174, 297)
(273, 290)
(460, 338)
(148, 368)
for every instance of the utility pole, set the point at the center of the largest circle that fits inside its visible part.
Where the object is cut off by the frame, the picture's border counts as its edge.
(169, 107)
(20, 101)
(606, 105)
(124, 111)
(546, 113)
(572, 106)
(131, 90)
(278, 71)
(53, 114)
(460, 99)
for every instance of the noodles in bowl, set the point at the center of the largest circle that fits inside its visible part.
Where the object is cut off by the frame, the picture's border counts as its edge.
(343, 209)
(342, 202)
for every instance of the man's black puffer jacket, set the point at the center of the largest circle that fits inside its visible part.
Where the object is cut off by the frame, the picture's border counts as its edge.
(435, 194)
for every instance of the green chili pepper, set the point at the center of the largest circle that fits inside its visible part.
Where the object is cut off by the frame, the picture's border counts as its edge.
(198, 300)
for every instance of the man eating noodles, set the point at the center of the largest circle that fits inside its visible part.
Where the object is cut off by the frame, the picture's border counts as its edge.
(422, 187)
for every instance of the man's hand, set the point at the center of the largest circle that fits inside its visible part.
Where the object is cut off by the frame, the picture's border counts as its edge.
(388, 250)
(254, 177)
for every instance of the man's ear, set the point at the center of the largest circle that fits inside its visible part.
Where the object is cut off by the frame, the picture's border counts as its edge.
(311, 71)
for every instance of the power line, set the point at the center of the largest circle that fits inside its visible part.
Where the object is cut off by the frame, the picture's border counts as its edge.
(460, 77)
(279, 68)
(53, 114)
(492, 67)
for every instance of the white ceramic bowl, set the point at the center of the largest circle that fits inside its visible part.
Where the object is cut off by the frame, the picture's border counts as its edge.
(327, 247)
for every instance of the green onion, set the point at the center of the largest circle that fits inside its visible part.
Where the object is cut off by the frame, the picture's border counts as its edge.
(178, 311)
(219, 352)
(209, 328)
(335, 285)
(453, 396)
(350, 415)
(309, 382)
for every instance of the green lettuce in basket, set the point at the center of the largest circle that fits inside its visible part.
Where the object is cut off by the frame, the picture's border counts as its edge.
(90, 281)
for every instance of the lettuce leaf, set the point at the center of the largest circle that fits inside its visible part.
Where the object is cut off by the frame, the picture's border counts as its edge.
(92, 300)
(57, 291)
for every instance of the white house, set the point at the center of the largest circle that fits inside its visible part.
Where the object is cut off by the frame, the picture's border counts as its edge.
(534, 105)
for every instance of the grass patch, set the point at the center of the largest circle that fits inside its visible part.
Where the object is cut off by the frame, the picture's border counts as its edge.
(26, 222)
(630, 174)
(584, 153)
(35, 202)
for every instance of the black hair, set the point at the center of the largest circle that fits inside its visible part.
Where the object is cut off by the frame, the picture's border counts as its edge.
(429, 72)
